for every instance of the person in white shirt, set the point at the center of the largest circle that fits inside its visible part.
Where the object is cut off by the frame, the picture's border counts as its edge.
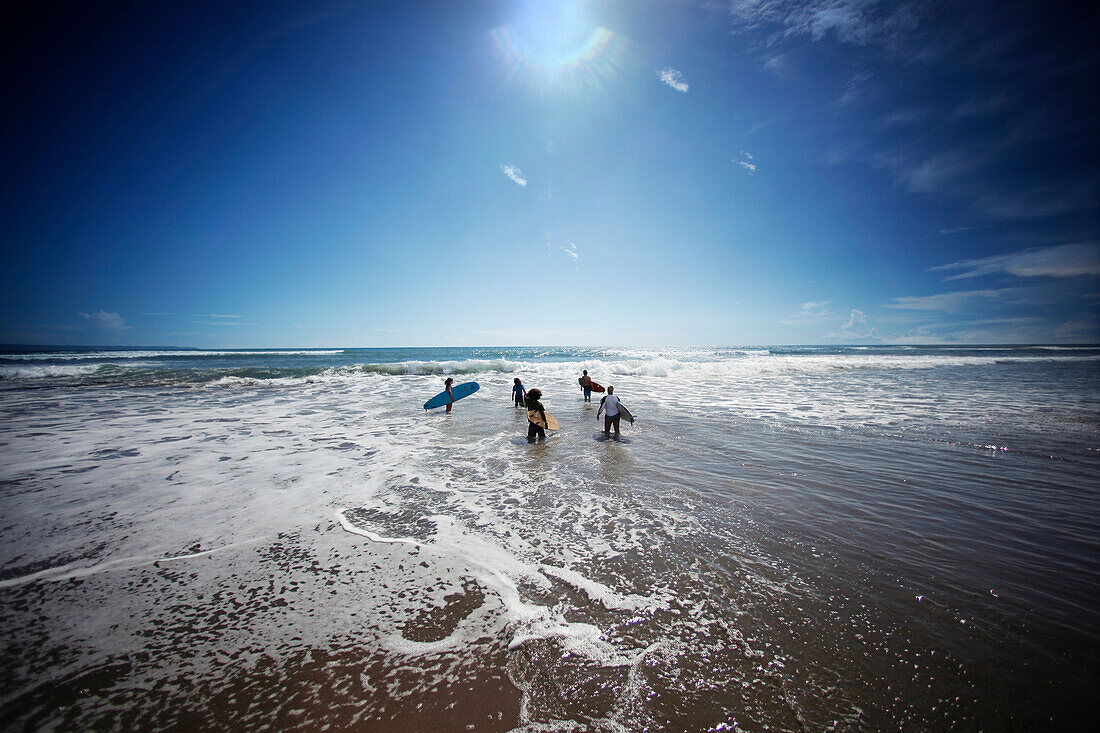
(609, 405)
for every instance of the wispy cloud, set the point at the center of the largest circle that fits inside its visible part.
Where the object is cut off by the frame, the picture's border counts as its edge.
(571, 250)
(853, 88)
(746, 162)
(961, 229)
(514, 173)
(815, 309)
(947, 302)
(106, 321)
(777, 64)
(673, 78)
(222, 319)
(902, 118)
(935, 173)
(852, 21)
(1066, 260)
(855, 329)
(810, 311)
(1012, 150)
(1018, 330)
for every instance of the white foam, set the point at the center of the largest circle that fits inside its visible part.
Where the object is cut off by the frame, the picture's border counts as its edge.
(597, 591)
(499, 571)
(50, 370)
(75, 570)
(150, 354)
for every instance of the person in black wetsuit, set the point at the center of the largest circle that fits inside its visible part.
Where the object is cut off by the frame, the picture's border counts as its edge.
(532, 402)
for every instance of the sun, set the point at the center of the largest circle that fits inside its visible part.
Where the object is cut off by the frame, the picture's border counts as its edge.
(552, 45)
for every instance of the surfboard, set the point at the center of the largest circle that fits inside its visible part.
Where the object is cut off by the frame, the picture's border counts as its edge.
(626, 413)
(461, 390)
(595, 387)
(550, 424)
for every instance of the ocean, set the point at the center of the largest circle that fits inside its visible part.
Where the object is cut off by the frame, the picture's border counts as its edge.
(787, 538)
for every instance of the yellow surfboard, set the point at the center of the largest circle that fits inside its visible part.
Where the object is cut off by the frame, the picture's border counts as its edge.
(550, 424)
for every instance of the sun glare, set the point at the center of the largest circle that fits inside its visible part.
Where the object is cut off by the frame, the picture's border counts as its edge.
(551, 45)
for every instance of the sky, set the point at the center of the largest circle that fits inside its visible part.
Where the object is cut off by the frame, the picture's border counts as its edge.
(641, 172)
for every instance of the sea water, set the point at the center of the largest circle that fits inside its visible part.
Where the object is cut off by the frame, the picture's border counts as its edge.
(786, 539)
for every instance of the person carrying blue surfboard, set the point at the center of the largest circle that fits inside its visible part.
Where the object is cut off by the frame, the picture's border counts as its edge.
(447, 385)
(518, 392)
(532, 401)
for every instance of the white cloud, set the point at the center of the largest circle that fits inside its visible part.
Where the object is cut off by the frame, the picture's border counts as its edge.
(1021, 330)
(961, 229)
(777, 64)
(514, 173)
(809, 311)
(849, 332)
(946, 302)
(222, 319)
(746, 163)
(852, 21)
(853, 88)
(571, 250)
(814, 308)
(935, 172)
(903, 118)
(105, 320)
(1064, 260)
(673, 78)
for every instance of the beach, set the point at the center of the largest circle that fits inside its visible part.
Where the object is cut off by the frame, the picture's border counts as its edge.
(788, 538)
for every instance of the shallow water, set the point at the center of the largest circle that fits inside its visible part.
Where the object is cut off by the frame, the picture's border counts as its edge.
(786, 539)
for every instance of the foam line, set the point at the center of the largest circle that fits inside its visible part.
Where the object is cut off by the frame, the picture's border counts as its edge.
(349, 527)
(74, 570)
(534, 622)
(596, 591)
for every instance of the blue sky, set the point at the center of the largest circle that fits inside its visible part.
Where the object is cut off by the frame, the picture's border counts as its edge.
(556, 172)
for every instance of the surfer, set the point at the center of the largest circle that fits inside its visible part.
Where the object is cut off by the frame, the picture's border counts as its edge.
(534, 429)
(609, 405)
(586, 385)
(518, 391)
(447, 385)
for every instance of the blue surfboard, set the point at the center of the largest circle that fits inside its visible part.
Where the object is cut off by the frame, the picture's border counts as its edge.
(459, 391)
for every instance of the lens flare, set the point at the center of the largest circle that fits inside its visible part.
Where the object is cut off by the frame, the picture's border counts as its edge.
(559, 54)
